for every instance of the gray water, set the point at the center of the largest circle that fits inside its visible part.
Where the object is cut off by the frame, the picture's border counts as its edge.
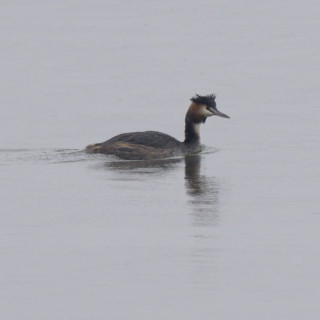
(230, 233)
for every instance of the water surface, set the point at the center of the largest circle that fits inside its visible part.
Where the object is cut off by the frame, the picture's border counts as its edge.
(230, 233)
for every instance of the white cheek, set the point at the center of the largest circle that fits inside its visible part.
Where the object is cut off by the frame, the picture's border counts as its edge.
(206, 112)
(209, 113)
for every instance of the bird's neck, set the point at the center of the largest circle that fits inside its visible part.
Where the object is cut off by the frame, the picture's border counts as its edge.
(192, 132)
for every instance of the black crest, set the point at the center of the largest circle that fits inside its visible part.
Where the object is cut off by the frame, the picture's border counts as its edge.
(208, 100)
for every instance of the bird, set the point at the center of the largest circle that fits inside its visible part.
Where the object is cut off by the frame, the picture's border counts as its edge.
(149, 145)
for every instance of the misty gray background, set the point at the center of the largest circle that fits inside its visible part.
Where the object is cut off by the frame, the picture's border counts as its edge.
(232, 233)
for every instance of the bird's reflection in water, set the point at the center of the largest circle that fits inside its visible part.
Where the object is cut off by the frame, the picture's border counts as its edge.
(141, 168)
(203, 192)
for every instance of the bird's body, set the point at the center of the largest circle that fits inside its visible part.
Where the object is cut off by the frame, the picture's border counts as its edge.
(156, 145)
(139, 146)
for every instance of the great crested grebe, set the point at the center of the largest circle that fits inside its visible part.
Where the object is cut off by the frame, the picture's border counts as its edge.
(155, 145)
